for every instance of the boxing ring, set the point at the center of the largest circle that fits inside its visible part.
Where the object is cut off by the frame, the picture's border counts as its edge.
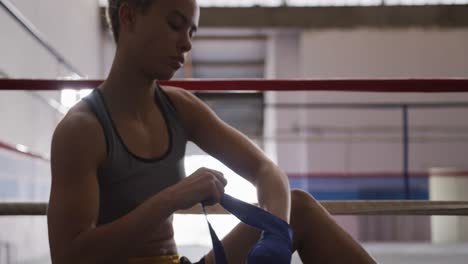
(352, 207)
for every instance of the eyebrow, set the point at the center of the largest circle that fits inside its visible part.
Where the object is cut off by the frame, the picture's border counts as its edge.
(185, 19)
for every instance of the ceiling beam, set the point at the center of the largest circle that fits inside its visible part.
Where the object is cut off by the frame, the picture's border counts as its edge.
(220, 64)
(444, 16)
(335, 17)
(230, 38)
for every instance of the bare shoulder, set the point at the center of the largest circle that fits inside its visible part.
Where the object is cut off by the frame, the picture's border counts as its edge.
(78, 122)
(79, 115)
(181, 97)
(79, 131)
(186, 102)
(196, 115)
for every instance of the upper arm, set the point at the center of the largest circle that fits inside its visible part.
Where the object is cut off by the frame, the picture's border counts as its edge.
(216, 137)
(78, 145)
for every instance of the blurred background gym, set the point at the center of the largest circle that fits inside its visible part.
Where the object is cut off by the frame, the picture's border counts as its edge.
(335, 145)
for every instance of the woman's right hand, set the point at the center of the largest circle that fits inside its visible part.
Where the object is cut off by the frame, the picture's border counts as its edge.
(203, 186)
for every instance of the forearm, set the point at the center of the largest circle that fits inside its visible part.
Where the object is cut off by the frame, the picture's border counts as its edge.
(273, 190)
(115, 241)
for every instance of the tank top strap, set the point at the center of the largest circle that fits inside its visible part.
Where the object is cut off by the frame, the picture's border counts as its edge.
(96, 102)
(165, 102)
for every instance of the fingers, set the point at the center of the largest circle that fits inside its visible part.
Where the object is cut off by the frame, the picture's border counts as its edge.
(219, 175)
(215, 193)
(216, 183)
(204, 185)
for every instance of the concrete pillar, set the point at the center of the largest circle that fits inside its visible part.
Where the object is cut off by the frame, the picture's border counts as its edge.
(282, 62)
(449, 184)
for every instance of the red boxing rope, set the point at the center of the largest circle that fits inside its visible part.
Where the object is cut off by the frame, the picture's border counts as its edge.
(26, 153)
(350, 85)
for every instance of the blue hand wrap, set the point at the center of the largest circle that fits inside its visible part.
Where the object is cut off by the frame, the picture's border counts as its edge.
(275, 244)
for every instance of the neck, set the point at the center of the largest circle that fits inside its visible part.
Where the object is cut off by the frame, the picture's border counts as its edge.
(127, 90)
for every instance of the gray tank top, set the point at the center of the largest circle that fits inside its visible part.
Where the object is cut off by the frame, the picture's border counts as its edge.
(126, 180)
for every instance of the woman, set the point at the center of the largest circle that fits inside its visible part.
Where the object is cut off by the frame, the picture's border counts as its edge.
(117, 158)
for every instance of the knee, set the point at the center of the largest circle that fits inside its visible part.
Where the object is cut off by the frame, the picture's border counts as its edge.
(297, 195)
(299, 199)
(302, 200)
(300, 204)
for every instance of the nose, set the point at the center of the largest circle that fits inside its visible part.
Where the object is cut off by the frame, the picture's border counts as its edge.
(185, 43)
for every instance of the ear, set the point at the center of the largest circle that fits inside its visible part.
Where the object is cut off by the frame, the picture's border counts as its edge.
(126, 16)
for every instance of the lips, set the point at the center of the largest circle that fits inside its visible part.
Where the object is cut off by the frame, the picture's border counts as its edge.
(177, 62)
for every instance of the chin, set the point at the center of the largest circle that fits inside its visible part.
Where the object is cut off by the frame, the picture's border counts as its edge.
(164, 76)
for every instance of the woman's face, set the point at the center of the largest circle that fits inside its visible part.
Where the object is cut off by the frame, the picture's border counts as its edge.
(160, 38)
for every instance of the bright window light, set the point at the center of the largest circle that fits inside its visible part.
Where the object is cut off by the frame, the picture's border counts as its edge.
(193, 229)
(84, 92)
(104, 3)
(70, 97)
(22, 148)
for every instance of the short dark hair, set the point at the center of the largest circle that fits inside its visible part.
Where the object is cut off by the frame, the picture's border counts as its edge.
(113, 13)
